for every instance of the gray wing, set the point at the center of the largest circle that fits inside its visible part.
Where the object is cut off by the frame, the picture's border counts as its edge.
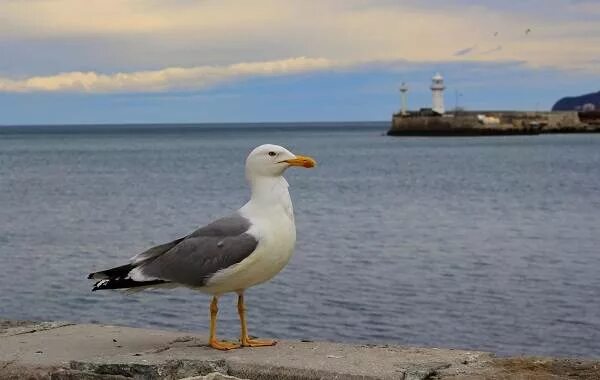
(155, 251)
(195, 258)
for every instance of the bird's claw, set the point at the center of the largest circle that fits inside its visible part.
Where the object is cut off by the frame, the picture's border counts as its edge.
(247, 342)
(223, 345)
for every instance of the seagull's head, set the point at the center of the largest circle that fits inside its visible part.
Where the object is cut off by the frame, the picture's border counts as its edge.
(271, 161)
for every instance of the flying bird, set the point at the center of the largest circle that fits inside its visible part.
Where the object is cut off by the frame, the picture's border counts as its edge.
(528, 31)
(230, 254)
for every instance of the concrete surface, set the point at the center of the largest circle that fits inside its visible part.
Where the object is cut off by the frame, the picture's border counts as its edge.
(57, 350)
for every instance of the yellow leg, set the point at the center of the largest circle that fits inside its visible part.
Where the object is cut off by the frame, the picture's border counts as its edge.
(246, 341)
(213, 342)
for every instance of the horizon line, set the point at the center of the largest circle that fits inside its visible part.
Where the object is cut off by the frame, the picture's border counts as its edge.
(84, 124)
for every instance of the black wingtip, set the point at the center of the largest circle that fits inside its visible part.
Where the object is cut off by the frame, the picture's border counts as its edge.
(123, 283)
(90, 276)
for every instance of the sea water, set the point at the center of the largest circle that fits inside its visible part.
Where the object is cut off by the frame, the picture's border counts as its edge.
(489, 243)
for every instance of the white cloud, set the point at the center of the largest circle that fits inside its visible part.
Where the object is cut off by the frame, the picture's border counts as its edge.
(159, 80)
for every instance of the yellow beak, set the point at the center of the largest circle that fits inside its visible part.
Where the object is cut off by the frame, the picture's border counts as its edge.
(304, 161)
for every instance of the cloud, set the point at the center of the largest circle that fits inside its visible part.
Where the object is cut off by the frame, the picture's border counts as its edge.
(135, 38)
(160, 80)
(465, 51)
(490, 51)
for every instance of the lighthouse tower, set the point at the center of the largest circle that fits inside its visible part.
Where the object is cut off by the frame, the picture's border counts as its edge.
(437, 91)
(403, 91)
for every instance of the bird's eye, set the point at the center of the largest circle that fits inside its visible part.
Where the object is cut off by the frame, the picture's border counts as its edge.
(272, 154)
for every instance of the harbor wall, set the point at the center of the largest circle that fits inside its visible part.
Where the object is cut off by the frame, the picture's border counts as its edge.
(509, 123)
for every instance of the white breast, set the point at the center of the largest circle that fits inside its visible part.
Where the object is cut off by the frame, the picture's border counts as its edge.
(273, 226)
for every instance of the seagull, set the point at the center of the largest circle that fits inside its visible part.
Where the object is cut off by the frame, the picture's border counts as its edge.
(230, 254)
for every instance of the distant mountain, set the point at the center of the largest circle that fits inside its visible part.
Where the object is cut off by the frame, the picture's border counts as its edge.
(577, 103)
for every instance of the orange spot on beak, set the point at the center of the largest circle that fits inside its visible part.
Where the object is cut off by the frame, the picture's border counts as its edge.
(303, 161)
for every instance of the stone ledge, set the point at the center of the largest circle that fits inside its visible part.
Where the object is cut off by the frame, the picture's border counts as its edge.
(57, 350)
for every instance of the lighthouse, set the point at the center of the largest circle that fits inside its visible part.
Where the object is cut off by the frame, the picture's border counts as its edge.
(403, 91)
(437, 91)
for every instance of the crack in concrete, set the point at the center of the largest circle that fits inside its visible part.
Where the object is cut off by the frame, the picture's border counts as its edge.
(425, 373)
(43, 326)
(9, 362)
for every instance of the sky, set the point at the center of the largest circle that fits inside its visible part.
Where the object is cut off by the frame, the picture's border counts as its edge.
(203, 61)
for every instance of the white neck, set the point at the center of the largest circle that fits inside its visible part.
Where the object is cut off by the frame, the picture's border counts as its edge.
(269, 193)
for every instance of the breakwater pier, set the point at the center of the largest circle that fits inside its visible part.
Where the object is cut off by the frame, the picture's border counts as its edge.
(485, 123)
(436, 121)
